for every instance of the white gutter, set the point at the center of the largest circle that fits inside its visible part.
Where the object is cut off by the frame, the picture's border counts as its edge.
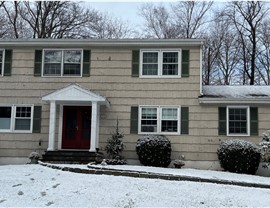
(99, 42)
(233, 101)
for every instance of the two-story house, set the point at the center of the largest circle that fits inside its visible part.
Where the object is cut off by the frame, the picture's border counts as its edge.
(60, 95)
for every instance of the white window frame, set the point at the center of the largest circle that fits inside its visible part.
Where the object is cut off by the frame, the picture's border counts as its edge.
(13, 118)
(160, 63)
(62, 61)
(159, 119)
(2, 63)
(248, 120)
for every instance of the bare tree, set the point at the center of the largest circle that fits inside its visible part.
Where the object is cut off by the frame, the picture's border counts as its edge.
(53, 19)
(247, 18)
(183, 20)
(190, 16)
(105, 26)
(58, 19)
(210, 51)
(158, 22)
(263, 64)
(12, 15)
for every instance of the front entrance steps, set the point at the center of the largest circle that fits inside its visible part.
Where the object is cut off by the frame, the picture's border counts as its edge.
(71, 157)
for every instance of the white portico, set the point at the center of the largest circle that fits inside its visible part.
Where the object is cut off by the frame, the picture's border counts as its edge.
(78, 118)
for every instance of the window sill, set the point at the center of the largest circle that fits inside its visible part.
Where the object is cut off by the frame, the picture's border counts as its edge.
(160, 133)
(238, 135)
(159, 77)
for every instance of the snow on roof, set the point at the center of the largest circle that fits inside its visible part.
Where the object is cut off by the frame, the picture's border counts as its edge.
(236, 92)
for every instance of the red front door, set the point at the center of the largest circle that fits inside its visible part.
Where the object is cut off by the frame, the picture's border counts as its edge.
(76, 127)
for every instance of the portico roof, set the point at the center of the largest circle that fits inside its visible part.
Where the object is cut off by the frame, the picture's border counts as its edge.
(75, 93)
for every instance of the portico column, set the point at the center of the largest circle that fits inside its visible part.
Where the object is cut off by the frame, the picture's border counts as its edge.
(51, 142)
(94, 127)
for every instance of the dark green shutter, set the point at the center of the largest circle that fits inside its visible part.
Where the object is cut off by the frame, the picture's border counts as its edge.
(254, 121)
(185, 63)
(8, 63)
(38, 63)
(135, 63)
(86, 63)
(134, 119)
(184, 120)
(37, 119)
(222, 123)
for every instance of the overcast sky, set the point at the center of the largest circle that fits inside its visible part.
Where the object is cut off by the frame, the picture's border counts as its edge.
(127, 11)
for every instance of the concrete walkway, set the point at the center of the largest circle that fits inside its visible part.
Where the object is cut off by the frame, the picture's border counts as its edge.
(151, 175)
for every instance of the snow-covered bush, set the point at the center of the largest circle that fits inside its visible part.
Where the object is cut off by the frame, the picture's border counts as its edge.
(154, 150)
(239, 156)
(265, 148)
(34, 155)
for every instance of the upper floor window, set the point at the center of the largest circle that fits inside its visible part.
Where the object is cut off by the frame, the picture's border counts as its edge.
(1, 62)
(155, 119)
(62, 62)
(238, 120)
(160, 63)
(16, 118)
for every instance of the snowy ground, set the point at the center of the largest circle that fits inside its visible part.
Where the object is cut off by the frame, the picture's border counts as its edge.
(39, 186)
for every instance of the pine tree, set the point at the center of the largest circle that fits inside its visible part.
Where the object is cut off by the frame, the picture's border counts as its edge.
(115, 144)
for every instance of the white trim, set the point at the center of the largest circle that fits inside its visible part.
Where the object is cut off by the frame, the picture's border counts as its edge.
(62, 61)
(100, 42)
(13, 118)
(201, 71)
(159, 114)
(94, 131)
(209, 101)
(3, 64)
(248, 120)
(160, 62)
(51, 141)
(74, 94)
(60, 127)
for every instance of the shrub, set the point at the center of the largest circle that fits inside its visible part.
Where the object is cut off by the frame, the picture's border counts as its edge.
(154, 150)
(265, 149)
(115, 147)
(239, 156)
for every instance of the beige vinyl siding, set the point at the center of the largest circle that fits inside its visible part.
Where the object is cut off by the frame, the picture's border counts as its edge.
(110, 76)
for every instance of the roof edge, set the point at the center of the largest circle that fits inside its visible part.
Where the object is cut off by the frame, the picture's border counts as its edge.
(101, 42)
(234, 101)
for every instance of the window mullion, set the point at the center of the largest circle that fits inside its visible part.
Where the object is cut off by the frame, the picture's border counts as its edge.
(159, 118)
(160, 55)
(13, 114)
(62, 63)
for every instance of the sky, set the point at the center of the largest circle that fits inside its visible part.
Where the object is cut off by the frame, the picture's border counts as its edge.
(126, 10)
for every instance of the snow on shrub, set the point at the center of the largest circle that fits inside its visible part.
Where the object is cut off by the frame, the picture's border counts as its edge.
(239, 156)
(154, 150)
(265, 149)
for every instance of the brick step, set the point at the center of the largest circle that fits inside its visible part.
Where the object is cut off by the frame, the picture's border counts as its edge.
(73, 157)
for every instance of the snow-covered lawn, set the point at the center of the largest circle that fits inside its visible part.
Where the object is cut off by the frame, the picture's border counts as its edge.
(39, 186)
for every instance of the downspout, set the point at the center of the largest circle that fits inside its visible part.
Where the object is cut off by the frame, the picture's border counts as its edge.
(201, 73)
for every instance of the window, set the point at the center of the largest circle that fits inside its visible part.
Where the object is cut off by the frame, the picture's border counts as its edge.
(16, 118)
(23, 118)
(238, 121)
(1, 62)
(156, 63)
(159, 119)
(62, 63)
(5, 118)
